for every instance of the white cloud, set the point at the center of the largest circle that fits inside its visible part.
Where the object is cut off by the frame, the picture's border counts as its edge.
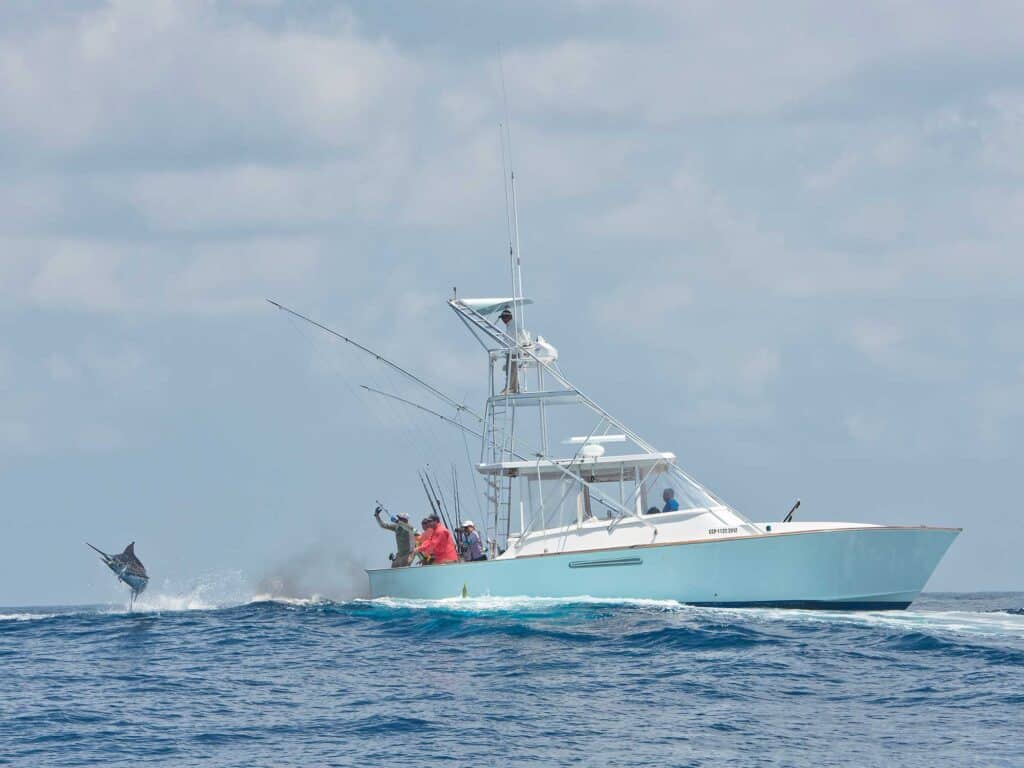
(703, 70)
(221, 277)
(684, 207)
(703, 63)
(80, 276)
(179, 75)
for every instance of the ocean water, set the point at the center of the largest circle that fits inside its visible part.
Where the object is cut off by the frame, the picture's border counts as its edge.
(478, 682)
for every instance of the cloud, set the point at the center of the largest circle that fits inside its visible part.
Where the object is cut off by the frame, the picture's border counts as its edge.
(704, 68)
(240, 276)
(223, 277)
(180, 77)
(77, 395)
(700, 63)
(79, 276)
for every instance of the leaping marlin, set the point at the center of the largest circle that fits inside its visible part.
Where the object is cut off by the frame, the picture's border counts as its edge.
(128, 568)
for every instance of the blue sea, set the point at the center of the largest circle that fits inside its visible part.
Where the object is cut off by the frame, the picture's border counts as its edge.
(494, 682)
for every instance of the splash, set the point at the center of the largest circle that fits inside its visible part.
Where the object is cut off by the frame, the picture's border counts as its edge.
(204, 593)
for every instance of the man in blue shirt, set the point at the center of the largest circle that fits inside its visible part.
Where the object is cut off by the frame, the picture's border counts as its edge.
(669, 497)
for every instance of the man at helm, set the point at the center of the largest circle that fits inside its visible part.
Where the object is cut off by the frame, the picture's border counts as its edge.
(669, 497)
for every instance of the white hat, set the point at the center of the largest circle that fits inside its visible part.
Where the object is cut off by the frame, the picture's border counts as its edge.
(468, 524)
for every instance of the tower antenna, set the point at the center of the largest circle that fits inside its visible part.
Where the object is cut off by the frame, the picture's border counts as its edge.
(514, 252)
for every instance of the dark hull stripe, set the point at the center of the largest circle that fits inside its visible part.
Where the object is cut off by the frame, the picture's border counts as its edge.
(606, 563)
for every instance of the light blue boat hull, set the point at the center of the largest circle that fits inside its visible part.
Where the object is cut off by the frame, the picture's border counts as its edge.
(854, 568)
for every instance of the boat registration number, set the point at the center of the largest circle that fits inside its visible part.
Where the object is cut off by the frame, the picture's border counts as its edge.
(713, 531)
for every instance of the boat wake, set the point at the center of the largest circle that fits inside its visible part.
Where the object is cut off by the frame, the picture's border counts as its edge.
(513, 604)
(1009, 623)
(230, 592)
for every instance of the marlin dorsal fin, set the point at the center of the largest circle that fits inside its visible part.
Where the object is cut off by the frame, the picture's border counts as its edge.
(129, 550)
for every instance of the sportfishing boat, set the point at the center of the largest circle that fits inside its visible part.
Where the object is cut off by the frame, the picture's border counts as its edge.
(582, 521)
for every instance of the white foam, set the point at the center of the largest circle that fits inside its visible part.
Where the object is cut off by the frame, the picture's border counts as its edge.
(955, 622)
(294, 601)
(501, 604)
(206, 593)
(960, 622)
(26, 616)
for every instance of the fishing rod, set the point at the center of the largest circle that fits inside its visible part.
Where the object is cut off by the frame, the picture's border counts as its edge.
(460, 538)
(385, 511)
(438, 491)
(444, 418)
(441, 505)
(394, 366)
(430, 500)
(453, 422)
(455, 494)
(424, 408)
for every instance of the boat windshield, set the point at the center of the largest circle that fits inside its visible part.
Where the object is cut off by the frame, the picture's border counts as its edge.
(550, 500)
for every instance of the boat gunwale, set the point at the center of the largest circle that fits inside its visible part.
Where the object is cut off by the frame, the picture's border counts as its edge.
(652, 545)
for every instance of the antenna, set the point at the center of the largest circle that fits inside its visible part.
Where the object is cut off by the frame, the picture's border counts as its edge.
(504, 188)
(514, 251)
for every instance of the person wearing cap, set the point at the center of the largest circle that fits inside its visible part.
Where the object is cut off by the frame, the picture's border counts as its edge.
(405, 537)
(472, 546)
(436, 545)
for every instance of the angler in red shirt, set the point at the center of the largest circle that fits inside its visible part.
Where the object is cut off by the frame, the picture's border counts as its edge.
(437, 545)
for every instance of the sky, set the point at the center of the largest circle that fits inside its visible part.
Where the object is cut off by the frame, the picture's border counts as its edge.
(781, 240)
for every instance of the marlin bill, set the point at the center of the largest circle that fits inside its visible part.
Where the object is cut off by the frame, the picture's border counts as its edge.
(127, 567)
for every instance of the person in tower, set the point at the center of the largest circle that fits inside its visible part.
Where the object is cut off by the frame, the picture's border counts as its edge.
(437, 545)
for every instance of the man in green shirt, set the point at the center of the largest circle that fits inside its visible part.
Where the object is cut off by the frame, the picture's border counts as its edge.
(405, 537)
